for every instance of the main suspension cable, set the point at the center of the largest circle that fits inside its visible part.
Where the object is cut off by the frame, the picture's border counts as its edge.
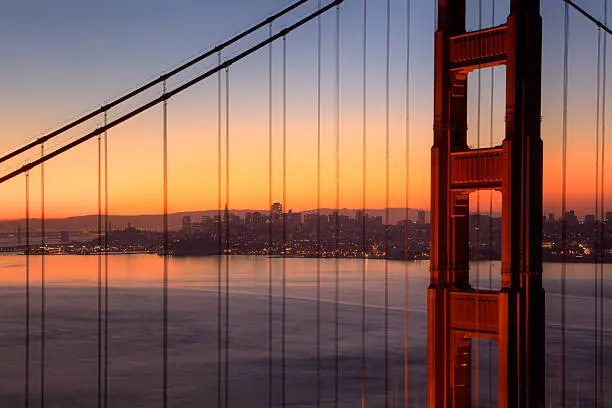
(603, 26)
(154, 82)
(170, 94)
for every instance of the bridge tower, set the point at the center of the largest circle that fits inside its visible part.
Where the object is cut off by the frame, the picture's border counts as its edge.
(457, 312)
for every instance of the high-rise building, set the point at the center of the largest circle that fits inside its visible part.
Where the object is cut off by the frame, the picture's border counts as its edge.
(313, 221)
(608, 216)
(589, 219)
(277, 213)
(187, 224)
(257, 218)
(377, 220)
(332, 218)
(421, 217)
(359, 217)
(570, 217)
(294, 219)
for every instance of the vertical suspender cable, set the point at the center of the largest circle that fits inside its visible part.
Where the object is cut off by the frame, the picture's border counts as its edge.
(478, 129)
(27, 288)
(99, 256)
(491, 130)
(548, 366)
(284, 232)
(166, 254)
(319, 253)
(387, 147)
(435, 15)
(219, 239)
(564, 205)
(597, 252)
(227, 234)
(270, 299)
(106, 232)
(491, 141)
(363, 204)
(407, 215)
(601, 396)
(43, 300)
(337, 220)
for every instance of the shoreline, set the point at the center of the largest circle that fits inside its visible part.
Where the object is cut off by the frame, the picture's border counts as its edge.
(607, 260)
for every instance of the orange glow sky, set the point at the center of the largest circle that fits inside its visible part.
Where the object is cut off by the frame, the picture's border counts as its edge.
(74, 69)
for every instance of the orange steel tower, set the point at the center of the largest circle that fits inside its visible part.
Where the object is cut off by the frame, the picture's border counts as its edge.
(458, 313)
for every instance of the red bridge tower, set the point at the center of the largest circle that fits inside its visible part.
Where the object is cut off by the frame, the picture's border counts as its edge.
(457, 313)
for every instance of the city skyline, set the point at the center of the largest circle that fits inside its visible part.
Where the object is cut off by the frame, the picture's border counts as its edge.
(176, 221)
(279, 232)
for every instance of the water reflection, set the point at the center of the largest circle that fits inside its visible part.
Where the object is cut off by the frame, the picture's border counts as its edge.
(135, 338)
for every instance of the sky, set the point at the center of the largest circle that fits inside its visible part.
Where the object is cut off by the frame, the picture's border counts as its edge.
(67, 57)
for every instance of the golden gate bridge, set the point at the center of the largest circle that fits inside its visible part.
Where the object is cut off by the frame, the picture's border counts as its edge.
(459, 312)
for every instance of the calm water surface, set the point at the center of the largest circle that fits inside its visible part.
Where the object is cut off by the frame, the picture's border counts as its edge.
(135, 302)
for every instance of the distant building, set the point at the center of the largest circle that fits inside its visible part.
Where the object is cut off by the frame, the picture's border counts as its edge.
(589, 219)
(207, 224)
(421, 217)
(345, 221)
(248, 219)
(377, 220)
(312, 221)
(360, 216)
(332, 218)
(277, 213)
(571, 218)
(294, 220)
(187, 224)
(608, 216)
(258, 218)
(65, 237)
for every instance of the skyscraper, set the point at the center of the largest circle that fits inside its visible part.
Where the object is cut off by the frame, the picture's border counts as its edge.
(277, 213)
(421, 217)
(187, 224)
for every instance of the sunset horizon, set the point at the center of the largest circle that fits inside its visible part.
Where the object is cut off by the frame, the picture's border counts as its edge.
(305, 203)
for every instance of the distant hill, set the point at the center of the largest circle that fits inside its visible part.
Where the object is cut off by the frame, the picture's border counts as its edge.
(155, 221)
